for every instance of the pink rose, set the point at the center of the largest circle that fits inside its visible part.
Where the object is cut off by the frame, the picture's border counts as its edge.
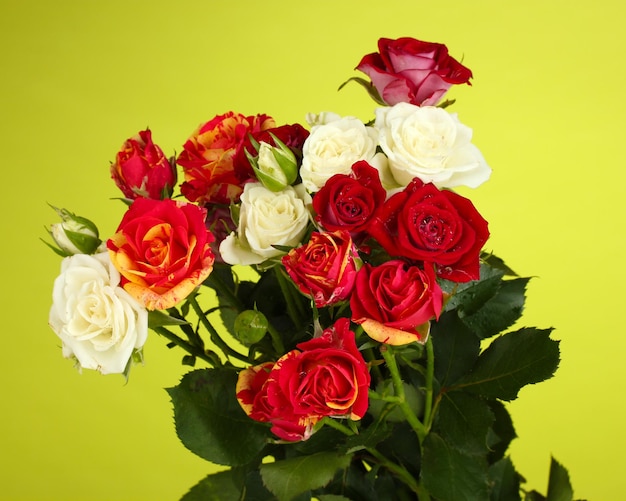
(412, 71)
(395, 301)
(324, 268)
(141, 169)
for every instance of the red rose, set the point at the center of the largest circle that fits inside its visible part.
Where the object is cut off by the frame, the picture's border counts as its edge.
(412, 71)
(162, 250)
(324, 268)
(347, 202)
(207, 157)
(325, 376)
(394, 302)
(141, 169)
(438, 226)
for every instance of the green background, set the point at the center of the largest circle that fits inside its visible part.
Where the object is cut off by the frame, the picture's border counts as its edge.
(547, 109)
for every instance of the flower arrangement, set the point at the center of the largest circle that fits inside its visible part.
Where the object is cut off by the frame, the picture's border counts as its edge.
(352, 331)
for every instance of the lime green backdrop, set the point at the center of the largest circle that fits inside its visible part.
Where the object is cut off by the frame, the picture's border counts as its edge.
(547, 109)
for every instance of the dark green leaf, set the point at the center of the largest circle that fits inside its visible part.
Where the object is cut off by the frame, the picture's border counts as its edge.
(291, 477)
(470, 296)
(464, 421)
(559, 487)
(332, 497)
(505, 481)
(210, 421)
(215, 487)
(450, 475)
(502, 431)
(496, 262)
(526, 356)
(500, 311)
(456, 348)
(158, 318)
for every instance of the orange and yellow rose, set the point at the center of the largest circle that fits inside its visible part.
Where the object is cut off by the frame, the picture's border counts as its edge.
(162, 250)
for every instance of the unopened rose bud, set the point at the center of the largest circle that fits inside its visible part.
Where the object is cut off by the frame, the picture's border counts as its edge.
(74, 235)
(275, 166)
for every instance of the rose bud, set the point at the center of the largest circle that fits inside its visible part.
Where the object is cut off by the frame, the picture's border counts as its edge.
(75, 235)
(141, 169)
(275, 166)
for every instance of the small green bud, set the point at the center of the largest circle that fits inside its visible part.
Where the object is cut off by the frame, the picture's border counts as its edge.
(74, 235)
(275, 166)
(250, 327)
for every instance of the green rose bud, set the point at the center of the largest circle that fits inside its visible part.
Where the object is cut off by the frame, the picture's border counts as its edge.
(275, 166)
(74, 235)
(250, 327)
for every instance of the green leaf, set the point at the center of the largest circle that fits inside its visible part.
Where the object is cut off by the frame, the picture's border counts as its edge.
(158, 318)
(210, 421)
(450, 475)
(526, 356)
(500, 311)
(291, 477)
(332, 497)
(470, 296)
(496, 262)
(505, 481)
(559, 487)
(456, 348)
(502, 431)
(215, 487)
(464, 421)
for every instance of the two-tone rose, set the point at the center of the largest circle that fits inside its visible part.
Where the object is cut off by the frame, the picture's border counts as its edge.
(98, 322)
(325, 267)
(412, 71)
(142, 170)
(208, 158)
(325, 376)
(423, 223)
(395, 301)
(162, 250)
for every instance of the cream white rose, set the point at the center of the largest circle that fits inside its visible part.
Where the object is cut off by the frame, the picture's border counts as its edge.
(429, 143)
(266, 218)
(333, 147)
(98, 322)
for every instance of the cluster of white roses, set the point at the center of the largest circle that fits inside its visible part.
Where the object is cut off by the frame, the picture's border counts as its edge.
(405, 141)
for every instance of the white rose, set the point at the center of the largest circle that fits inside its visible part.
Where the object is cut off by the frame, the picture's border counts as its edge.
(266, 218)
(98, 322)
(333, 147)
(429, 143)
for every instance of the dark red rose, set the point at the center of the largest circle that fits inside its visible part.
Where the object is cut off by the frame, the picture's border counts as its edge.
(142, 170)
(324, 268)
(412, 71)
(347, 202)
(394, 302)
(325, 376)
(208, 156)
(424, 223)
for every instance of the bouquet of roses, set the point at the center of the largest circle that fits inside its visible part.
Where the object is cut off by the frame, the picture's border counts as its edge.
(350, 326)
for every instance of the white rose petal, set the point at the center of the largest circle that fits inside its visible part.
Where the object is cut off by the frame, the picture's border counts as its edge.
(333, 147)
(97, 321)
(429, 143)
(266, 218)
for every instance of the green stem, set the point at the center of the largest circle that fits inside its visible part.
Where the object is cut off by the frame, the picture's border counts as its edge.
(215, 337)
(333, 423)
(294, 307)
(411, 418)
(400, 472)
(206, 355)
(430, 375)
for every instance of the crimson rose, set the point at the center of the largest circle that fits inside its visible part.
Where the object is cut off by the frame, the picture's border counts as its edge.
(347, 202)
(424, 223)
(324, 268)
(325, 376)
(141, 169)
(395, 301)
(207, 157)
(412, 71)
(162, 250)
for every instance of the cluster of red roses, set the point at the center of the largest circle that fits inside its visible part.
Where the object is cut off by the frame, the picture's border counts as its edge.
(380, 252)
